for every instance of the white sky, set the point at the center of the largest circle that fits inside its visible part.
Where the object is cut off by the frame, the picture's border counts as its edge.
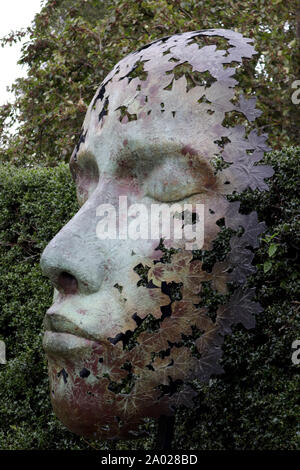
(15, 14)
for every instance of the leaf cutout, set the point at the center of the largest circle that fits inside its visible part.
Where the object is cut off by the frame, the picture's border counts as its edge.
(258, 142)
(210, 339)
(245, 174)
(240, 259)
(237, 146)
(247, 107)
(240, 309)
(208, 364)
(184, 397)
(252, 230)
(220, 277)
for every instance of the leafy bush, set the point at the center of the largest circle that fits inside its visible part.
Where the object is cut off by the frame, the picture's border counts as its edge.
(252, 406)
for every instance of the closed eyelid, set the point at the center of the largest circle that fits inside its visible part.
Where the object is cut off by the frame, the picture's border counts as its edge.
(145, 159)
(178, 182)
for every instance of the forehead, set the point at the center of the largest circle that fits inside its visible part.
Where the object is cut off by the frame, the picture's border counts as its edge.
(172, 93)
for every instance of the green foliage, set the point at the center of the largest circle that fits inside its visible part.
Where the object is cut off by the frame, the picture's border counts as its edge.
(34, 205)
(74, 44)
(254, 405)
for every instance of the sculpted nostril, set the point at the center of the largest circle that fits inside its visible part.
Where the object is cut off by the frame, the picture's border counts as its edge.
(67, 283)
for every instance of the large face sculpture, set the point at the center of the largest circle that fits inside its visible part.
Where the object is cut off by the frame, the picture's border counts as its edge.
(130, 328)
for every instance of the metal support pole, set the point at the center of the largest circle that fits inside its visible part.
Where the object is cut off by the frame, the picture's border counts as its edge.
(165, 432)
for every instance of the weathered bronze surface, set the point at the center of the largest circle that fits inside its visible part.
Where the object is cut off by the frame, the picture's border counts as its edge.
(129, 329)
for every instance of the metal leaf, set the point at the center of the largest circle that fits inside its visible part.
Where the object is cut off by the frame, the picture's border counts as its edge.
(247, 107)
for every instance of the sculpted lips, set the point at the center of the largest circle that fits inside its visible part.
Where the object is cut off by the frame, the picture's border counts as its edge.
(63, 335)
(65, 343)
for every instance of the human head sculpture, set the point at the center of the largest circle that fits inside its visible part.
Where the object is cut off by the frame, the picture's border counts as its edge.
(130, 329)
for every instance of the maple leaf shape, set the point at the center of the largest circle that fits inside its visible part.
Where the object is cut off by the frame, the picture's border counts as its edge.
(182, 363)
(181, 260)
(144, 99)
(233, 218)
(241, 47)
(162, 368)
(153, 342)
(208, 58)
(240, 309)
(237, 146)
(170, 272)
(240, 259)
(179, 322)
(252, 229)
(159, 340)
(208, 364)
(247, 107)
(183, 316)
(255, 173)
(209, 339)
(220, 277)
(245, 174)
(177, 366)
(162, 273)
(179, 89)
(181, 269)
(220, 95)
(140, 356)
(225, 76)
(137, 299)
(258, 142)
(190, 292)
(214, 210)
(128, 404)
(184, 397)
(193, 280)
(145, 397)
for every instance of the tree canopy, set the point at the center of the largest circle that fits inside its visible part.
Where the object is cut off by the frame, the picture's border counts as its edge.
(72, 46)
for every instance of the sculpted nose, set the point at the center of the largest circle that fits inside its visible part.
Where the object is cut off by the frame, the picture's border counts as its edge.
(73, 259)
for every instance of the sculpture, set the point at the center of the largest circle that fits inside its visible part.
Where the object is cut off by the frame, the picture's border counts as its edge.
(129, 329)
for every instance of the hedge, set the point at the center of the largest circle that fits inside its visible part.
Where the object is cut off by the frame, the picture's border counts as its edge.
(253, 405)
